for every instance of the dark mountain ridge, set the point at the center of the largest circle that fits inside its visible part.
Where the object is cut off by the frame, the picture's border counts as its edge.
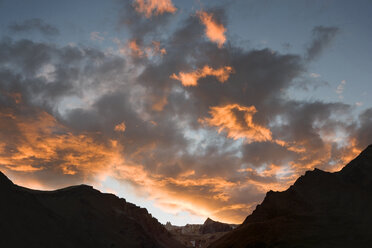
(77, 216)
(321, 209)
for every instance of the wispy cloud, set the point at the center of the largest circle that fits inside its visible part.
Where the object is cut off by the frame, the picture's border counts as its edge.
(322, 37)
(213, 30)
(96, 36)
(314, 75)
(340, 89)
(191, 78)
(35, 24)
(154, 7)
(359, 104)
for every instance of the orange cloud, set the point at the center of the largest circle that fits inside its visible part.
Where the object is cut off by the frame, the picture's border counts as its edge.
(154, 7)
(157, 49)
(39, 140)
(23, 168)
(159, 104)
(135, 49)
(191, 78)
(212, 196)
(45, 144)
(291, 146)
(15, 96)
(120, 127)
(226, 119)
(213, 30)
(186, 192)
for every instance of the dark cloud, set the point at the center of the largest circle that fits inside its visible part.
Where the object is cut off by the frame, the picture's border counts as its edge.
(141, 28)
(322, 37)
(35, 24)
(60, 106)
(256, 154)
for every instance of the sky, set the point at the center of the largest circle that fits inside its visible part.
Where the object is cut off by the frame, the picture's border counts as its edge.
(192, 109)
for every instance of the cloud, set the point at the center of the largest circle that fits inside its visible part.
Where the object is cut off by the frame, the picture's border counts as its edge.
(314, 75)
(34, 24)
(120, 127)
(359, 104)
(340, 89)
(96, 36)
(238, 122)
(154, 7)
(23, 168)
(135, 49)
(63, 111)
(191, 78)
(213, 30)
(322, 37)
(157, 48)
(39, 144)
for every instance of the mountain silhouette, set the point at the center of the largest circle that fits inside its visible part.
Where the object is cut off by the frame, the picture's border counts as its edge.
(211, 226)
(199, 235)
(77, 216)
(321, 209)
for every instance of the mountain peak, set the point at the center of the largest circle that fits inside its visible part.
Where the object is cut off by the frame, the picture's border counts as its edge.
(208, 221)
(211, 226)
(319, 208)
(4, 180)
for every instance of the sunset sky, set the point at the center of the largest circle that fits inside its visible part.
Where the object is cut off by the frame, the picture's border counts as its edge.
(190, 108)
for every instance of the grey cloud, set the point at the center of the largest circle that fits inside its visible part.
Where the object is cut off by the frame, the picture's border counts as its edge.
(35, 24)
(138, 25)
(258, 154)
(261, 79)
(172, 141)
(322, 37)
(304, 118)
(73, 70)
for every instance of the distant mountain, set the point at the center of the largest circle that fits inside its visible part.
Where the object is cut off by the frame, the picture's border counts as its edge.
(196, 235)
(77, 216)
(321, 209)
(211, 226)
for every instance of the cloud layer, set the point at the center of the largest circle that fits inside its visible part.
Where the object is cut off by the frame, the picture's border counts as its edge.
(72, 114)
(35, 24)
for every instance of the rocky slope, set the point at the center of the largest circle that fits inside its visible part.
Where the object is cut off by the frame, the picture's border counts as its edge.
(200, 235)
(321, 209)
(77, 216)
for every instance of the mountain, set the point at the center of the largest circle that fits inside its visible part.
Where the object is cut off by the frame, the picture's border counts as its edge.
(211, 226)
(77, 216)
(196, 235)
(321, 209)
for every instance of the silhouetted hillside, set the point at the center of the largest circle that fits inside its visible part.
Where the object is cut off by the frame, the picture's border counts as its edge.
(77, 216)
(321, 209)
